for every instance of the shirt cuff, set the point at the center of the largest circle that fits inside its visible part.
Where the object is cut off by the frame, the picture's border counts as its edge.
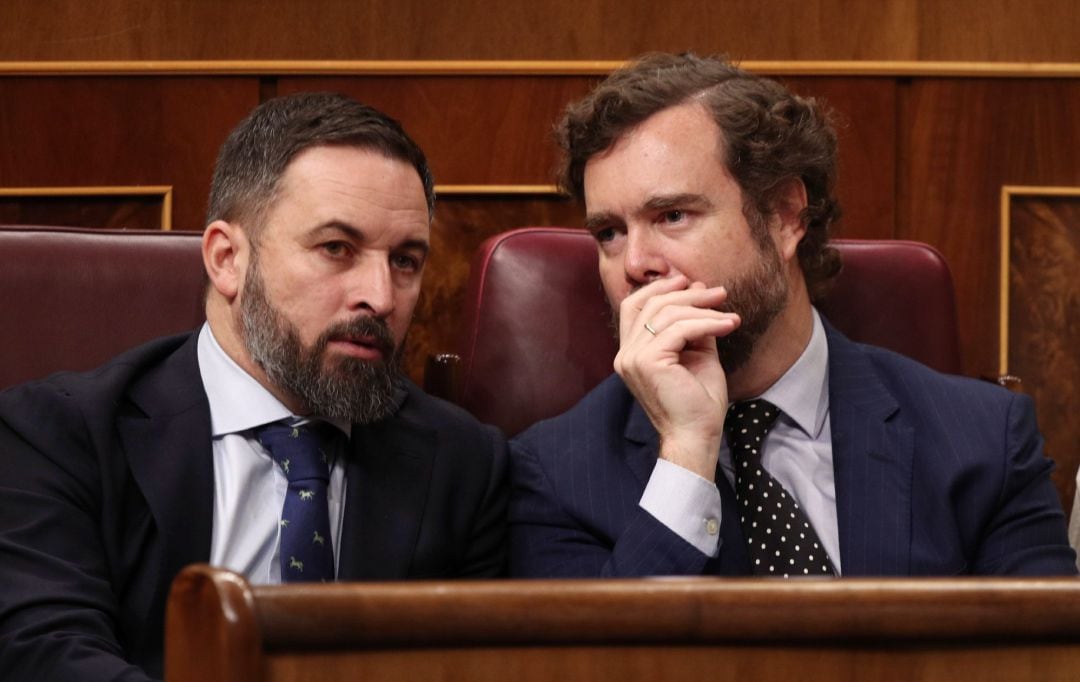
(686, 503)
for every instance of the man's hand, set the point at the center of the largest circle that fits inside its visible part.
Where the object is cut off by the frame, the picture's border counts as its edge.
(675, 373)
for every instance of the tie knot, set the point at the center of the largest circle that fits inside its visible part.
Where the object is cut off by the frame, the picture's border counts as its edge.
(299, 449)
(747, 423)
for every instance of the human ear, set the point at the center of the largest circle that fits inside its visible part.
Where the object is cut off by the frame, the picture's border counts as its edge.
(225, 254)
(787, 217)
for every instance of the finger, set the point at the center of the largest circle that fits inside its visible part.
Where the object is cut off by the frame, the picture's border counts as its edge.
(687, 302)
(630, 308)
(670, 314)
(691, 333)
(666, 349)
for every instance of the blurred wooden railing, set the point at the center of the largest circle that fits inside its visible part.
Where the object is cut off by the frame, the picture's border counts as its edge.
(219, 628)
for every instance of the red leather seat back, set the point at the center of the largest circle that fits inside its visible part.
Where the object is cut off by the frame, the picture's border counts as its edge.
(73, 298)
(538, 329)
(897, 295)
(538, 334)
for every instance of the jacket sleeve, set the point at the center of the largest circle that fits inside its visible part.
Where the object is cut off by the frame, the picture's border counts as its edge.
(547, 539)
(58, 610)
(486, 553)
(1027, 533)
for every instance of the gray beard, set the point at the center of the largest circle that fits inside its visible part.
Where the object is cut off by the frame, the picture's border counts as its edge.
(360, 391)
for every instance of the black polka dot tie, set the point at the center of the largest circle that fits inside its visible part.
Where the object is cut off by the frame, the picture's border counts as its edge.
(778, 533)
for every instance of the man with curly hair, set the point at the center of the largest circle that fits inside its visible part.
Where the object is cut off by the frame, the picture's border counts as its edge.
(741, 433)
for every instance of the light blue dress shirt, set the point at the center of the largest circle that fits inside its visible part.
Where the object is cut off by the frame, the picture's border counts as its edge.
(249, 488)
(797, 452)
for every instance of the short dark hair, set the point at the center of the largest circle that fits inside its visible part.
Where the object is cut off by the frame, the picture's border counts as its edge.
(769, 135)
(257, 152)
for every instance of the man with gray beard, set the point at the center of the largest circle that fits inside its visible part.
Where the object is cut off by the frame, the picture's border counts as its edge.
(280, 439)
(741, 434)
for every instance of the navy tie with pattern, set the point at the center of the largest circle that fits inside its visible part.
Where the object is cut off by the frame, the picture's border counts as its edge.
(306, 550)
(778, 533)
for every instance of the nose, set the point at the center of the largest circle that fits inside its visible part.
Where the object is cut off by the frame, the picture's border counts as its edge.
(643, 260)
(371, 287)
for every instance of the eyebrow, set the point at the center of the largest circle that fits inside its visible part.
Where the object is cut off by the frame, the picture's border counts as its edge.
(597, 221)
(684, 200)
(660, 202)
(417, 244)
(341, 226)
(357, 234)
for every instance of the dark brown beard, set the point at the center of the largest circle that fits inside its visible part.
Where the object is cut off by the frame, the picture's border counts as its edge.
(758, 297)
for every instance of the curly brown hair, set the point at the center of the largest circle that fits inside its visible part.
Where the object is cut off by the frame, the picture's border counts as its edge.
(770, 136)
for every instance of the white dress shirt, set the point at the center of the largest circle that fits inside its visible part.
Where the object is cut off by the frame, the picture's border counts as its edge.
(797, 452)
(249, 487)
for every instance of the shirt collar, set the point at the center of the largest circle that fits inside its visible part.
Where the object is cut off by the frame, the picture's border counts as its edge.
(237, 401)
(802, 392)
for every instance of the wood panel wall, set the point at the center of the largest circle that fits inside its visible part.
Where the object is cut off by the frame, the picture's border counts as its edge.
(1040, 245)
(922, 157)
(66, 133)
(960, 142)
(966, 30)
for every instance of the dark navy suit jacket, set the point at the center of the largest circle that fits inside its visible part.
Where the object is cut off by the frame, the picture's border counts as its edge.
(935, 475)
(106, 492)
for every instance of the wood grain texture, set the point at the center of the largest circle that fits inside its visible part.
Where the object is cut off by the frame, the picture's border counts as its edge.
(461, 223)
(1044, 322)
(215, 612)
(961, 141)
(498, 130)
(623, 630)
(113, 212)
(864, 110)
(672, 610)
(921, 158)
(120, 131)
(475, 130)
(1040, 30)
(998, 30)
(836, 662)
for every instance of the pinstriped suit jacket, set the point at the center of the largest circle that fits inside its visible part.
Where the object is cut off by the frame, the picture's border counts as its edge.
(935, 475)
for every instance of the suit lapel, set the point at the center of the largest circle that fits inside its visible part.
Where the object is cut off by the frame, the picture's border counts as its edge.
(388, 475)
(873, 450)
(168, 446)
